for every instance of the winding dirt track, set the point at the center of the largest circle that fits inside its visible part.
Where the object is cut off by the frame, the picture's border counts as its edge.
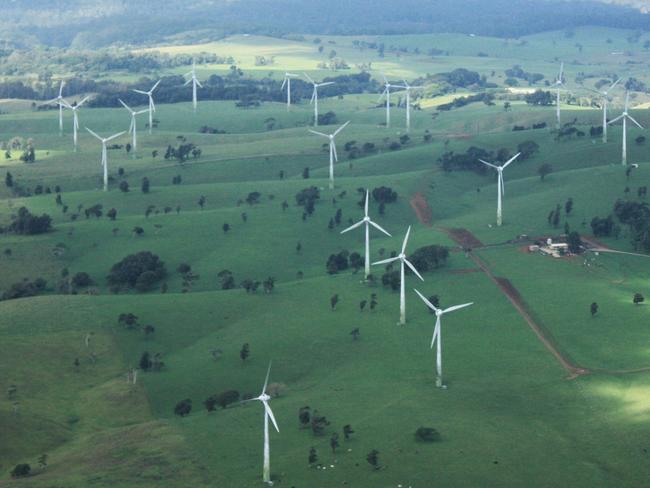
(421, 208)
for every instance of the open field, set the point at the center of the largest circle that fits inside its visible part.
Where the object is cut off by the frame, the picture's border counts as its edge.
(511, 416)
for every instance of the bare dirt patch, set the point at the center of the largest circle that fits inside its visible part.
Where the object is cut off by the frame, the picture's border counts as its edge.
(464, 238)
(422, 209)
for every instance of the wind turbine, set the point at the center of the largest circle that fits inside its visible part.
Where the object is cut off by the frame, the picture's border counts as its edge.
(333, 155)
(625, 116)
(195, 82)
(500, 185)
(408, 89)
(558, 84)
(314, 95)
(105, 153)
(437, 332)
(401, 257)
(268, 413)
(60, 101)
(368, 222)
(287, 82)
(605, 96)
(133, 127)
(386, 93)
(152, 106)
(75, 118)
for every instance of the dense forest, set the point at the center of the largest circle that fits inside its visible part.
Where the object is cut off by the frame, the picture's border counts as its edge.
(87, 23)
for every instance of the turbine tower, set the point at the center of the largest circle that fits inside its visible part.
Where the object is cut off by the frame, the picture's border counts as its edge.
(195, 82)
(133, 130)
(75, 118)
(368, 222)
(386, 93)
(408, 89)
(437, 333)
(287, 82)
(61, 102)
(605, 96)
(401, 257)
(500, 185)
(558, 83)
(152, 106)
(268, 413)
(105, 153)
(332, 146)
(314, 95)
(625, 116)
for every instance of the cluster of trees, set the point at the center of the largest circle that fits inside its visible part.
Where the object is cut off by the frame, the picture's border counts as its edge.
(25, 288)
(183, 152)
(307, 199)
(344, 260)
(469, 161)
(26, 223)
(540, 97)
(428, 258)
(636, 215)
(140, 271)
(517, 72)
(486, 98)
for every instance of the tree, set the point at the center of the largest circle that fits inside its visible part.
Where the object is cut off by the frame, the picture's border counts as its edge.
(128, 320)
(201, 202)
(140, 270)
(9, 180)
(527, 149)
(313, 457)
(318, 423)
(427, 434)
(594, 309)
(269, 285)
(373, 459)
(304, 417)
(226, 398)
(568, 206)
(638, 298)
(226, 228)
(42, 461)
(145, 361)
(21, 470)
(334, 442)
(124, 186)
(145, 185)
(544, 170)
(244, 352)
(112, 214)
(183, 408)
(305, 173)
(334, 299)
(355, 333)
(575, 242)
(347, 431)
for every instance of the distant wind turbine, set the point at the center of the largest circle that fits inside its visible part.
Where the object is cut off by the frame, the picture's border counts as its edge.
(558, 83)
(75, 118)
(408, 89)
(105, 153)
(386, 93)
(133, 130)
(152, 106)
(401, 257)
(625, 116)
(268, 413)
(501, 189)
(287, 82)
(61, 102)
(332, 146)
(314, 95)
(195, 82)
(605, 97)
(437, 332)
(368, 222)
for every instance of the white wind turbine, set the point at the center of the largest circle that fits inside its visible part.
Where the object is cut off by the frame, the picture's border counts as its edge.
(195, 82)
(268, 413)
(401, 257)
(501, 189)
(386, 93)
(625, 116)
(368, 222)
(437, 332)
(152, 106)
(75, 118)
(332, 146)
(605, 96)
(408, 89)
(558, 84)
(133, 130)
(61, 102)
(105, 153)
(287, 82)
(314, 95)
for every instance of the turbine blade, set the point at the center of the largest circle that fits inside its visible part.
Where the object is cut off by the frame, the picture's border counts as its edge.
(318, 133)
(613, 121)
(366, 204)
(511, 160)
(198, 83)
(84, 100)
(457, 307)
(436, 331)
(633, 120)
(426, 301)
(309, 78)
(386, 261)
(408, 263)
(336, 156)
(187, 82)
(489, 164)
(141, 92)
(627, 100)
(326, 83)
(266, 381)
(115, 136)
(93, 133)
(155, 86)
(269, 412)
(614, 84)
(341, 128)
(125, 105)
(378, 227)
(406, 239)
(354, 226)
(283, 83)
